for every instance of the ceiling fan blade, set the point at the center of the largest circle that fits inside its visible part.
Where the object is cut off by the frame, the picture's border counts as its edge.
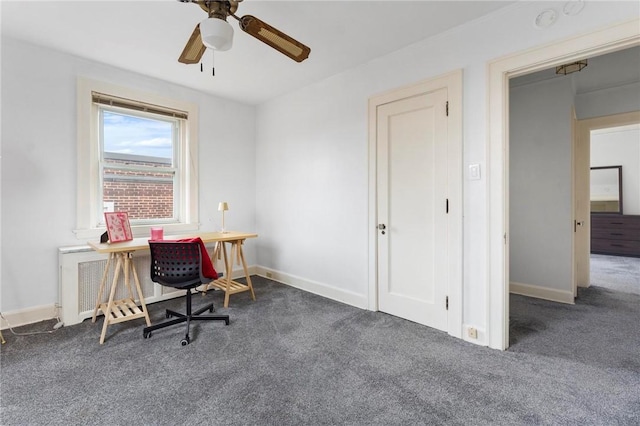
(194, 49)
(274, 38)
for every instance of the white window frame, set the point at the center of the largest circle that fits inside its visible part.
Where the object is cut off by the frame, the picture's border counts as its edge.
(89, 178)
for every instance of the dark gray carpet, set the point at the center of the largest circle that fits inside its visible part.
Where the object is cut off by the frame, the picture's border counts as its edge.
(616, 273)
(601, 330)
(294, 358)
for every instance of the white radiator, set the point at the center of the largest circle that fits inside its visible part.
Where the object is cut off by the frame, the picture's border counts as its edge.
(81, 271)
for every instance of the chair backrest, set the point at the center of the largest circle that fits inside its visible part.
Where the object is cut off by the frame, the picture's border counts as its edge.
(176, 264)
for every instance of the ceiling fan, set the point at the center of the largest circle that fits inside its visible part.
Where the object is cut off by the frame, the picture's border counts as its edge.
(216, 33)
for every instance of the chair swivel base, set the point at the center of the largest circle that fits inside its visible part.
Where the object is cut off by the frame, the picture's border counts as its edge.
(188, 317)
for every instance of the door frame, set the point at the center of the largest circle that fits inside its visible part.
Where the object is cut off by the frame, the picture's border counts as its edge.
(578, 238)
(580, 206)
(584, 128)
(452, 81)
(610, 39)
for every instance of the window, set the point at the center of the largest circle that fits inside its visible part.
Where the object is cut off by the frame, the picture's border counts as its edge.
(136, 154)
(138, 165)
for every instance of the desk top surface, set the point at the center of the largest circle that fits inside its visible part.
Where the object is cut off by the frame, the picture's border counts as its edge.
(143, 243)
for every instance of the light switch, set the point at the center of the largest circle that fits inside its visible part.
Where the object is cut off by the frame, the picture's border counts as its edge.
(474, 171)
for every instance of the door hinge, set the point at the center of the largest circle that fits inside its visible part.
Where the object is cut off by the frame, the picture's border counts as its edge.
(447, 108)
(447, 303)
(447, 206)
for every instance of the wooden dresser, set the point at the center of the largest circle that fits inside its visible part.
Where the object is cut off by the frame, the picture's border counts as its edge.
(615, 234)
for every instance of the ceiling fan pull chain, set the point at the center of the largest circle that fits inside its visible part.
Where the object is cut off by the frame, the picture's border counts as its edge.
(213, 68)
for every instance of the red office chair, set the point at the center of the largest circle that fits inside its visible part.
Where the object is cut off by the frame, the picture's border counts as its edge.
(182, 264)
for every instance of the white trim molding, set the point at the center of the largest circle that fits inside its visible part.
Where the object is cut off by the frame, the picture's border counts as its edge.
(315, 287)
(28, 316)
(552, 294)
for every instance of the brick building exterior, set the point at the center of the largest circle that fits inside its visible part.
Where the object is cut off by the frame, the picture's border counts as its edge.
(145, 194)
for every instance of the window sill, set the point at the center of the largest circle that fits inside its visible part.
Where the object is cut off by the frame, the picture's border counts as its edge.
(139, 230)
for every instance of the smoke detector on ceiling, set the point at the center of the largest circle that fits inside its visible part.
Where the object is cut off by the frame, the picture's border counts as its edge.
(546, 18)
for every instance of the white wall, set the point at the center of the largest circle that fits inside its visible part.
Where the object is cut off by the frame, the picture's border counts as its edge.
(609, 85)
(541, 221)
(39, 163)
(620, 147)
(609, 101)
(312, 150)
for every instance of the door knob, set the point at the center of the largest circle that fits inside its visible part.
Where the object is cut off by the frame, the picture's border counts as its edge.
(382, 226)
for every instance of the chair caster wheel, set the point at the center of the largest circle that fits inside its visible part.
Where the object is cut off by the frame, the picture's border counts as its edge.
(211, 309)
(167, 315)
(146, 335)
(185, 341)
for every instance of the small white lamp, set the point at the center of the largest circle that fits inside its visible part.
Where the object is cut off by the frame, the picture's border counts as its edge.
(222, 207)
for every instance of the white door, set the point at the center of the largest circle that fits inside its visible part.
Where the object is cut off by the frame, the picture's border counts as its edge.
(412, 145)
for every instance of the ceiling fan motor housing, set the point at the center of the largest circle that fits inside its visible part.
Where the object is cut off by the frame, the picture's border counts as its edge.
(217, 8)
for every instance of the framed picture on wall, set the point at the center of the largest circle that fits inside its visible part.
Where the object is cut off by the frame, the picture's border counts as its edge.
(118, 226)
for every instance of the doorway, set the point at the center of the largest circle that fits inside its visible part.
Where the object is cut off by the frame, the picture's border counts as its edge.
(612, 143)
(611, 39)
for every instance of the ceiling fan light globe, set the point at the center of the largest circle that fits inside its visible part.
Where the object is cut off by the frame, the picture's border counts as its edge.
(216, 34)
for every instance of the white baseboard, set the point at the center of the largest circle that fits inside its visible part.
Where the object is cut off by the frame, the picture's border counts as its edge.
(27, 316)
(545, 293)
(324, 290)
(40, 313)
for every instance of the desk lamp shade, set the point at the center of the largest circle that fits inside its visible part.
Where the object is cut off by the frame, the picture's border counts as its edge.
(222, 207)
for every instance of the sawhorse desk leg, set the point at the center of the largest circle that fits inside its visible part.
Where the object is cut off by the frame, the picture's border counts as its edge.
(116, 311)
(226, 284)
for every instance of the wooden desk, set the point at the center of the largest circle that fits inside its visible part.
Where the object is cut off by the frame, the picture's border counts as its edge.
(120, 255)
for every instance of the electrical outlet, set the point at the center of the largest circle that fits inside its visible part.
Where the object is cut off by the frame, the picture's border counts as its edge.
(269, 275)
(473, 333)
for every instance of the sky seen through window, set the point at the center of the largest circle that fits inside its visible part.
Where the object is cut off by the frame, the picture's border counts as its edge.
(128, 134)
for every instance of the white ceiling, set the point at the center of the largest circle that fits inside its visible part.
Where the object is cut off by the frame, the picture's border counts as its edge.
(148, 36)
